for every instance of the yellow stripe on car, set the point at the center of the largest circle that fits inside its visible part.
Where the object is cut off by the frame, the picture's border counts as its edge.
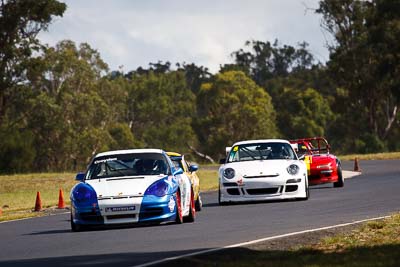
(308, 161)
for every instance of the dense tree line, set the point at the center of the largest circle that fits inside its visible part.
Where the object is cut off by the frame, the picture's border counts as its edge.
(60, 105)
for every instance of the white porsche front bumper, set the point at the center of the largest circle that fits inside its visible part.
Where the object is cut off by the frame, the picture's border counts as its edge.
(260, 189)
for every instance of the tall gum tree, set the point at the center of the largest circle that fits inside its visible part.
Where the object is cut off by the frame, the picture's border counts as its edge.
(364, 60)
(20, 23)
(232, 108)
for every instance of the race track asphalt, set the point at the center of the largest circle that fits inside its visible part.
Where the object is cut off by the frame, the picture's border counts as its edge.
(48, 241)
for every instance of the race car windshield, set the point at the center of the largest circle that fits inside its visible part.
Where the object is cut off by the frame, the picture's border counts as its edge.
(135, 164)
(261, 151)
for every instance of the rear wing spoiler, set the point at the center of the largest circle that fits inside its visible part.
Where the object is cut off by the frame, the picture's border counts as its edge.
(313, 144)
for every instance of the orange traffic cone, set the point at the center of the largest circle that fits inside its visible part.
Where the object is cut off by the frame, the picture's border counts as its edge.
(38, 203)
(61, 204)
(356, 166)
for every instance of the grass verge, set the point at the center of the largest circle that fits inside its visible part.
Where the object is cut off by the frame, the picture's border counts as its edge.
(18, 193)
(376, 243)
(208, 179)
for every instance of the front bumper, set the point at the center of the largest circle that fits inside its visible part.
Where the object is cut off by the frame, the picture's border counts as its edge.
(322, 176)
(259, 189)
(158, 209)
(126, 210)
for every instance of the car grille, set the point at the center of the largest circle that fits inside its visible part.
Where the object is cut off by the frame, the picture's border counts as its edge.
(121, 216)
(263, 191)
(291, 188)
(261, 176)
(151, 212)
(91, 216)
(229, 184)
(233, 191)
(116, 197)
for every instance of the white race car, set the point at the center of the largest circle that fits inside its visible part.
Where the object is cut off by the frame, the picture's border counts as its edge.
(258, 170)
(131, 186)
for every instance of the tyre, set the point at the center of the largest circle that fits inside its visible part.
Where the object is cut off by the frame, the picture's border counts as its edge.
(179, 216)
(192, 210)
(219, 195)
(75, 227)
(221, 203)
(340, 182)
(307, 191)
(199, 204)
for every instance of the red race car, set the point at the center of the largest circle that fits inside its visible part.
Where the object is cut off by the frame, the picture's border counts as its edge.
(322, 166)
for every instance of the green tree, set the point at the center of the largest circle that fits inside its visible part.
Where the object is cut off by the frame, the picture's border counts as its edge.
(17, 150)
(230, 109)
(122, 137)
(264, 61)
(276, 67)
(195, 75)
(364, 61)
(20, 22)
(161, 108)
(114, 93)
(303, 113)
(69, 118)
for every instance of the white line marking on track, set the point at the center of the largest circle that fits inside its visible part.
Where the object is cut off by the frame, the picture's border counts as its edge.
(256, 241)
(350, 174)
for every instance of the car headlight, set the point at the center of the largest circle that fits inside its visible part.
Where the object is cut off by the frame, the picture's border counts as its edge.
(83, 193)
(229, 173)
(159, 188)
(293, 169)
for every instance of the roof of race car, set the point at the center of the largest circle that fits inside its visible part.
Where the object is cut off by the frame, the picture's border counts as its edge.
(130, 151)
(261, 141)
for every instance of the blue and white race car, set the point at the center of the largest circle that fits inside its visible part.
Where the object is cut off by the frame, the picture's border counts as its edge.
(131, 186)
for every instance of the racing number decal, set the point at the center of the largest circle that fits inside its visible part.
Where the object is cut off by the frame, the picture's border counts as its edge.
(233, 153)
(308, 161)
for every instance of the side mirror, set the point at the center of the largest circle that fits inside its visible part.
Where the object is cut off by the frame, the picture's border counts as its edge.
(193, 168)
(177, 171)
(80, 176)
(222, 161)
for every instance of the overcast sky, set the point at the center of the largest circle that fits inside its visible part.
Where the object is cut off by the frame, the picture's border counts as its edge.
(133, 33)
